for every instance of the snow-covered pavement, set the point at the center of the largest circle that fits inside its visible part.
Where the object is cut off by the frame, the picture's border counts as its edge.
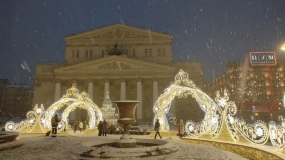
(59, 148)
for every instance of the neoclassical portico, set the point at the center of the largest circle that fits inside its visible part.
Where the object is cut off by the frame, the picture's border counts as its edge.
(122, 81)
(128, 62)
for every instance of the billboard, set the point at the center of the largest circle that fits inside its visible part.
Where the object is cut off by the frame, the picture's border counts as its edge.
(262, 58)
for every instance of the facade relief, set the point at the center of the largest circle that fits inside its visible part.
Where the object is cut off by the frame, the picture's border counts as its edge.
(119, 33)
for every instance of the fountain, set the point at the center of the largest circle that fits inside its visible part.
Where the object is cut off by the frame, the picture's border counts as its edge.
(126, 117)
(126, 146)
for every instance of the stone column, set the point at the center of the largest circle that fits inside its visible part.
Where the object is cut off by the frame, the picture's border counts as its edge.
(74, 83)
(106, 87)
(139, 98)
(57, 90)
(155, 90)
(90, 88)
(72, 115)
(123, 90)
(172, 107)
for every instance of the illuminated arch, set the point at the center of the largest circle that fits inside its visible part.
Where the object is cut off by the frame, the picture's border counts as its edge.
(79, 101)
(218, 122)
(162, 105)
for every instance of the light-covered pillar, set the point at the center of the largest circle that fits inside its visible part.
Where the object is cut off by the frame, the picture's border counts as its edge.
(123, 90)
(106, 87)
(139, 98)
(57, 90)
(90, 88)
(155, 90)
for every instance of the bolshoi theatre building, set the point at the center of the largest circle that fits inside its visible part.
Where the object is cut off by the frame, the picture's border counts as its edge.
(128, 63)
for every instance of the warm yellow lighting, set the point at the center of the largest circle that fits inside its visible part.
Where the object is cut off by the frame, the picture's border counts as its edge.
(43, 118)
(219, 122)
(283, 47)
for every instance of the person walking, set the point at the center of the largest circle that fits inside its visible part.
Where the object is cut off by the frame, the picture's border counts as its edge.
(84, 125)
(105, 127)
(54, 123)
(156, 128)
(100, 128)
(181, 128)
(75, 126)
(178, 127)
(80, 126)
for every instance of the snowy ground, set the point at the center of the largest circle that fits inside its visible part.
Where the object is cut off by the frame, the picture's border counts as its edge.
(59, 148)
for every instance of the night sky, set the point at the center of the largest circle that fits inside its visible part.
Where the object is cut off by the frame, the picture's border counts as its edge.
(214, 32)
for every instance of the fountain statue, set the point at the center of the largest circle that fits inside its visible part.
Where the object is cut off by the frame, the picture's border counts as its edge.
(126, 110)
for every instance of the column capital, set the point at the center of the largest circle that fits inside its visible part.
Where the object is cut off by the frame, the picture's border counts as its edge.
(106, 79)
(123, 79)
(73, 80)
(90, 80)
(155, 79)
(57, 80)
(139, 79)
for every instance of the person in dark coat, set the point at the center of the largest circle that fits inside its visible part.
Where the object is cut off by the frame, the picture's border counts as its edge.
(54, 123)
(156, 128)
(105, 127)
(75, 126)
(100, 128)
(84, 125)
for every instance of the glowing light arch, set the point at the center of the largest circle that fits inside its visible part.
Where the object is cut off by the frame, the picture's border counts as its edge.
(219, 122)
(79, 101)
(162, 105)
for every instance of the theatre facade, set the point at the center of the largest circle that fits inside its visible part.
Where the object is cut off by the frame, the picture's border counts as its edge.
(130, 63)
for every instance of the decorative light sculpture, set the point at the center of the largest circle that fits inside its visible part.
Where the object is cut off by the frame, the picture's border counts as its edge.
(108, 110)
(39, 120)
(219, 121)
(74, 100)
(30, 124)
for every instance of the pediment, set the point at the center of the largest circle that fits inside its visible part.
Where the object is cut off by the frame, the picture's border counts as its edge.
(117, 31)
(114, 63)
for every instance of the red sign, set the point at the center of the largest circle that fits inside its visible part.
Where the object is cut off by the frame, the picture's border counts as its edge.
(262, 58)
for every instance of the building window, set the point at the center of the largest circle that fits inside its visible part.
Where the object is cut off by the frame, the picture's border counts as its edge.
(102, 53)
(134, 52)
(158, 51)
(86, 53)
(73, 54)
(91, 53)
(77, 54)
(150, 50)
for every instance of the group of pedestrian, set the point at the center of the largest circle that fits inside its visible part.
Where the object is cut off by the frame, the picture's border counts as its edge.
(103, 128)
(79, 125)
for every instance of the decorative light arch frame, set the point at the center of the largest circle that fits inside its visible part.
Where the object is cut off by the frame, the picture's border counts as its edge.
(79, 101)
(72, 100)
(219, 121)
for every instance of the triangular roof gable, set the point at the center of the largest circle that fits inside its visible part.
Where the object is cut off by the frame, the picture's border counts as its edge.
(118, 63)
(117, 31)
